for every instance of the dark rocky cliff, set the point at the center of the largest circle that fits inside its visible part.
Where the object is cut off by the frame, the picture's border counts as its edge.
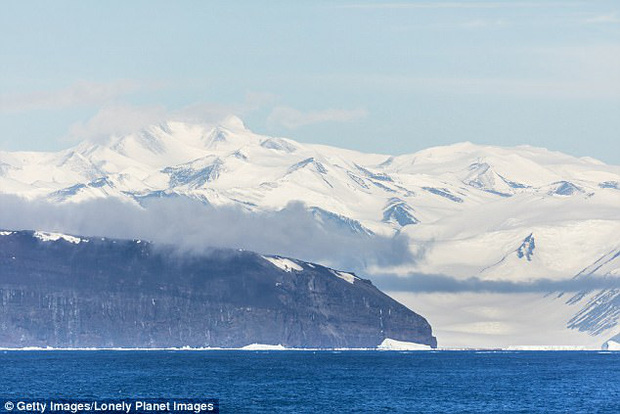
(94, 292)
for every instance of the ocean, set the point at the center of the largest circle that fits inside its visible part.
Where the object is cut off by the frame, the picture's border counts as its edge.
(326, 381)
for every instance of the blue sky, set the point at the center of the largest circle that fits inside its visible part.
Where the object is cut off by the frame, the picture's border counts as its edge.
(389, 77)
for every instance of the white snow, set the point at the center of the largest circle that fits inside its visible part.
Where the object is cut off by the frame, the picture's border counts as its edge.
(498, 320)
(263, 347)
(46, 236)
(283, 264)
(502, 195)
(547, 348)
(394, 345)
(348, 277)
(612, 346)
(458, 238)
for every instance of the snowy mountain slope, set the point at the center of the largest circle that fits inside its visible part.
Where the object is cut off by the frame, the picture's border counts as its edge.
(600, 310)
(227, 164)
(490, 319)
(501, 214)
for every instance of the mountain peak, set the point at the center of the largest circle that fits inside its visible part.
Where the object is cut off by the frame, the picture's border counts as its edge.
(233, 123)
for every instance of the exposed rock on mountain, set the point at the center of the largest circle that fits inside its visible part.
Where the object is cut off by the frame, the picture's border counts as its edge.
(66, 291)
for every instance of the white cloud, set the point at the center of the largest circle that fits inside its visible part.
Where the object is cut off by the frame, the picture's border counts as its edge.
(291, 118)
(461, 5)
(212, 112)
(531, 88)
(611, 18)
(116, 120)
(472, 24)
(205, 112)
(575, 72)
(483, 24)
(190, 226)
(120, 119)
(257, 100)
(78, 94)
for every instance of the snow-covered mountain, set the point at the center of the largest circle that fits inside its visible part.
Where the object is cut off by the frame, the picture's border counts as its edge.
(499, 214)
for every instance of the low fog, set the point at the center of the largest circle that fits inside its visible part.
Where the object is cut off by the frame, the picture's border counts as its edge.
(191, 226)
(441, 283)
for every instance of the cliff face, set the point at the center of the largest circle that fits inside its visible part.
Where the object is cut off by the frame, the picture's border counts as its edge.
(64, 291)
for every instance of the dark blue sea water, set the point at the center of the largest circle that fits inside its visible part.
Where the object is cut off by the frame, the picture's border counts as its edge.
(327, 382)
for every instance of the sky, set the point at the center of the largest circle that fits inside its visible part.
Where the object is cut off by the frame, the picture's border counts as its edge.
(387, 77)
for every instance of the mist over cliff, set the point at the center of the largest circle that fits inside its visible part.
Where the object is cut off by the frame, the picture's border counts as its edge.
(72, 291)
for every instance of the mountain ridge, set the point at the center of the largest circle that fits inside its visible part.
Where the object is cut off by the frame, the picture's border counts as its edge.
(462, 208)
